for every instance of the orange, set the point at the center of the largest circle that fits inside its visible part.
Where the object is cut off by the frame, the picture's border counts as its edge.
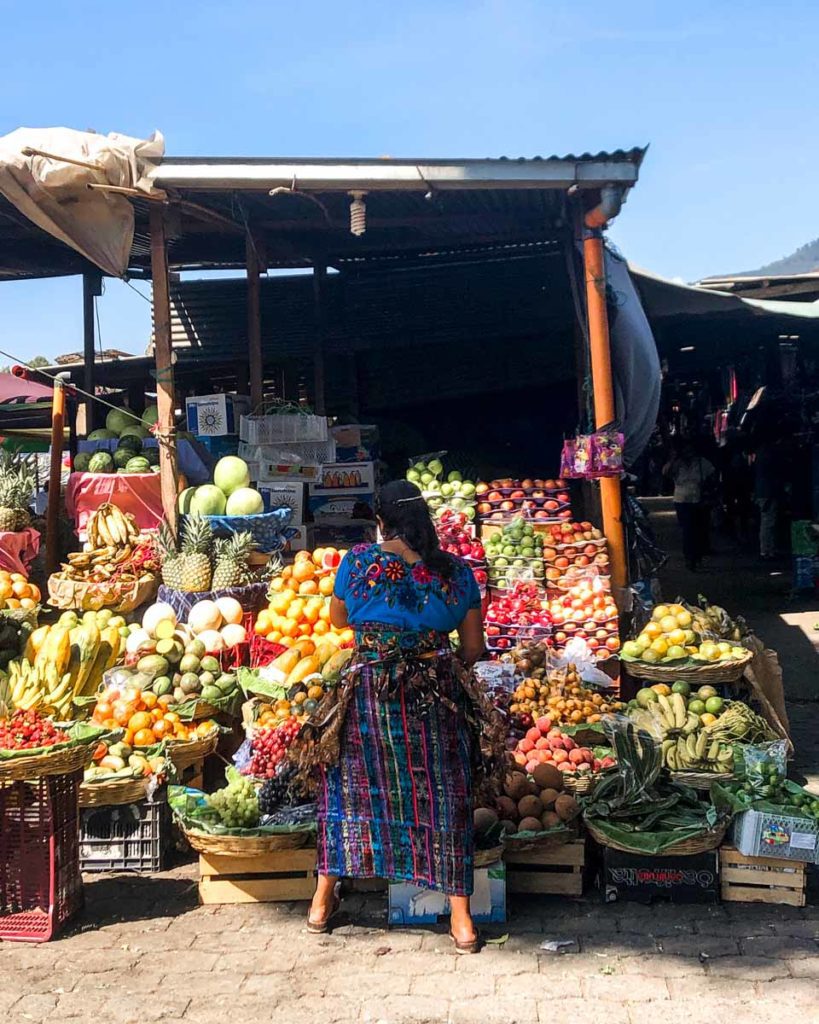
(347, 636)
(277, 585)
(303, 571)
(35, 592)
(279, 604)
(12, 602)
(326, 584)
(5, 589)
(324, 613)
(165, 701)
(275, 636)
(171, 716)
(150, 700)
(28, 603)
(311, 614)
(20, 589)
(156, 715)
(321, 628)
(287, 572)
(161, 729)
(290, 627)
(144, 738)
(286, 641)
(292, 585)
(302, 556)
(305, 629)
(309, 587)
(141, 720)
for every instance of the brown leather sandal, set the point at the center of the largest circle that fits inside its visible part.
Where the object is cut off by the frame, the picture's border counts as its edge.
(322, 927)
(466, 948)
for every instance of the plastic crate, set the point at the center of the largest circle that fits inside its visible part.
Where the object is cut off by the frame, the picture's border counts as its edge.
(40, 880)
(779, 836)
(128, 837)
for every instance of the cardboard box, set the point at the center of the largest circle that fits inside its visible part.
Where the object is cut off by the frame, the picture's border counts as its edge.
(413, 904)
(284, 495)
(344, 533)
(303, 540)
(214, 415)
(342, 507)
(641, 878)
(780, 836)
(356, 442)
(302, 472)
(345, 478)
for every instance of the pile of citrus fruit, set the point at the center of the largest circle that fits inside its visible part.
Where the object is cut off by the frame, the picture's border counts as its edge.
(145, 718)
(17, 592)
(299, 604)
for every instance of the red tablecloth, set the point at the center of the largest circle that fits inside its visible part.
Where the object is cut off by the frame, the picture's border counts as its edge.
(138, 493)
(18, 550)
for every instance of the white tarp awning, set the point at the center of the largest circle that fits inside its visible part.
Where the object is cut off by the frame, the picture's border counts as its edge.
(45, 174)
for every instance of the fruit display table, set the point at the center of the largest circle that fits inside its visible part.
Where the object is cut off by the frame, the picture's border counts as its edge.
(18, 550)
(137, 493)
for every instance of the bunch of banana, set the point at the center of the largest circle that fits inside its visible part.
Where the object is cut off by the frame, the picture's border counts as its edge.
(671, 712)
(739, 722)
(711, 621)
(97, 562)
(109, 527)
(697, 752)
(39, 687)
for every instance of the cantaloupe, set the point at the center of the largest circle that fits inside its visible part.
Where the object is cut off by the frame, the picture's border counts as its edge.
(204, 615)
(231, 611)
(233, 634)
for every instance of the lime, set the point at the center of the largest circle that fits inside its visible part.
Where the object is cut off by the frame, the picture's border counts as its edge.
(705, 692)
(714, 705)
(681, 686)
(697, 706)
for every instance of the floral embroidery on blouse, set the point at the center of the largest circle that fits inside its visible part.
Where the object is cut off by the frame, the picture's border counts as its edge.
(382, 574)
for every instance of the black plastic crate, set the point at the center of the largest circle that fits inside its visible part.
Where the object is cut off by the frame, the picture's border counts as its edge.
(126, 837)
(641, 878)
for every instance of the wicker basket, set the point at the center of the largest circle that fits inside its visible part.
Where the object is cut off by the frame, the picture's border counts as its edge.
(62, 761)
(483, 858)
(119, 597)
(109, 794)
(701, 780)
(696, 844)
(246, 846)
(185, 754)
(579, 785)
(707, 672)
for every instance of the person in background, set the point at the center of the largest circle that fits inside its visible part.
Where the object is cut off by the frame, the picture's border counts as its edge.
(690, 474)
(399, 750)
(767, 492)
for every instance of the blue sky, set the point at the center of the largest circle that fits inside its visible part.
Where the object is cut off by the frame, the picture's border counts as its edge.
(726, 94)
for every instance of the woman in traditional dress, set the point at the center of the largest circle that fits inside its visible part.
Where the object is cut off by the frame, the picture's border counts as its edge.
(399, 741)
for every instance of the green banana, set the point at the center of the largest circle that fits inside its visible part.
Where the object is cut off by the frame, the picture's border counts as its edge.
(679, 709)
(702, 743)
(692, 723)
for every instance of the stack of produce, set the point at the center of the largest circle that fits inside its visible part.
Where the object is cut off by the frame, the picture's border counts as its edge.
(64, 661)
(16, 494)
(573, 551)
(237, 804)
(122, 761)
(514, 553)
(28, 730)
(453, 494)
(268, 747)
(517, 613)
(456, 536)
(764, 786)
(296, 681)
(145, 718)
(129, 456)
(676, 633)
(540, 500)
(17, 593)
(586, 611)
(528, 804)
(230, 494)
(299, 605)
(200, 563)
(543, 744)
(556, 696)
(115, 555)
(697, 730)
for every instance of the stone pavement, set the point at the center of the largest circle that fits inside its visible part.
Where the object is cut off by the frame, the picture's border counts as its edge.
(144, 951)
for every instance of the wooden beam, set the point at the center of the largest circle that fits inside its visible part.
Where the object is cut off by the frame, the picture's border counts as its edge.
(163, 355)
(320, 302)
(254, 320)
(91, 286)
(54, 478)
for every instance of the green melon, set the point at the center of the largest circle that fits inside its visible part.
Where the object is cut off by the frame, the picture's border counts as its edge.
(101, 462)
(138, 464)
(150, 416)
(122, 456)
(130, 442)
(183, 502)
(81, 462)
(102, 435)
(208, 500)
(118, 419)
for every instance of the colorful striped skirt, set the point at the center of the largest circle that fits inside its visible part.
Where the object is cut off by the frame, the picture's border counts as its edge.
(398, 803)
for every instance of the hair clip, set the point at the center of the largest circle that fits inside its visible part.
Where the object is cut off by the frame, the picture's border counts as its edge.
(415, 497)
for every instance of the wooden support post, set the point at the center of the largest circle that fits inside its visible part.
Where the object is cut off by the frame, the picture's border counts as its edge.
(54, 477)
(320, 300)
(91, 287)
(603, 384)
(254, 320)
(163, 356)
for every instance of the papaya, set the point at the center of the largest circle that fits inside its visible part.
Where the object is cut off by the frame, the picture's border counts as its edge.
(334, 665)
(285, 663)
(306, 667)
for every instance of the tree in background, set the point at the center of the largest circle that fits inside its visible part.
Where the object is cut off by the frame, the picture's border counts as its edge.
(34, 363)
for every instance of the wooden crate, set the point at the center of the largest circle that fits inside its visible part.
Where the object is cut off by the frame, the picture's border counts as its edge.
(192, 775)
(761, 879)
(554, 871)
(269, 878)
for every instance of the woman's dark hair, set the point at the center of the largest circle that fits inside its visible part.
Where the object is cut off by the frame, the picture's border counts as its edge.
(401, 508)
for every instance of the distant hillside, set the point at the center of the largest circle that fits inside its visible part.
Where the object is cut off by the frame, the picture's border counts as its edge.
(804, 261)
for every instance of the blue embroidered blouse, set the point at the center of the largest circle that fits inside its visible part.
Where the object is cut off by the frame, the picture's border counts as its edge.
(379, 586)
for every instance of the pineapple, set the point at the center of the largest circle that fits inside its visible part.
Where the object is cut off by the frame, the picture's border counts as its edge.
(231, 561)
(170, 558)
(16, 491)
(194, 555)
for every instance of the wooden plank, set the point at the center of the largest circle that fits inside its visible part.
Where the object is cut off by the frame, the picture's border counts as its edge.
(266, 863)
(569, 854)
(746, 876)
(262, 890)
(55, 476)
(730, 855)
(545, 882)
(90, 288)
(749, 894)
(163, 356)
(320, 302)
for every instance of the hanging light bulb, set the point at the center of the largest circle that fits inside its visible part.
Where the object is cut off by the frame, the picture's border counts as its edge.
(358, 213)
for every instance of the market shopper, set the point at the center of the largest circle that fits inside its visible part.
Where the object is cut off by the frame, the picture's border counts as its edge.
(399, 750)
(691, 475)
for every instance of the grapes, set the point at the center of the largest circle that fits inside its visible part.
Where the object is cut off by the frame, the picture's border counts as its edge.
(269, 747)
(237, 804)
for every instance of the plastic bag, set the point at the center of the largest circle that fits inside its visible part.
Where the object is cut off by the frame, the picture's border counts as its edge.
(577, 653)
(763, 767)
(606, 452)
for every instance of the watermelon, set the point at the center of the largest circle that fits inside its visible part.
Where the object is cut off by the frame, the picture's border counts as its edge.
(118, 419)
(102, 435)
(138, 464)
(183, 502)
(101, 462)
(135, 429)
(150, 416)
(152, 455)
(208, 501)
(81, 462)
(130, 442)
(122, 457)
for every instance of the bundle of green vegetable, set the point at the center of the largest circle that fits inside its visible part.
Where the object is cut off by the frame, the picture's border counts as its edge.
(636, 804)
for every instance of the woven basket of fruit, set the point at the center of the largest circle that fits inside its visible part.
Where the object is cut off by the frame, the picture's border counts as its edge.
(31, 746)
(701, 780)
(119, 595)
(110, 794)
(62, 761)
(186, 753)
(247, 846)
(702, 843)
(690, 671)
(579, 785)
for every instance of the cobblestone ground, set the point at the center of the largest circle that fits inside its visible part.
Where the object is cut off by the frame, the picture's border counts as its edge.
(144, 951)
